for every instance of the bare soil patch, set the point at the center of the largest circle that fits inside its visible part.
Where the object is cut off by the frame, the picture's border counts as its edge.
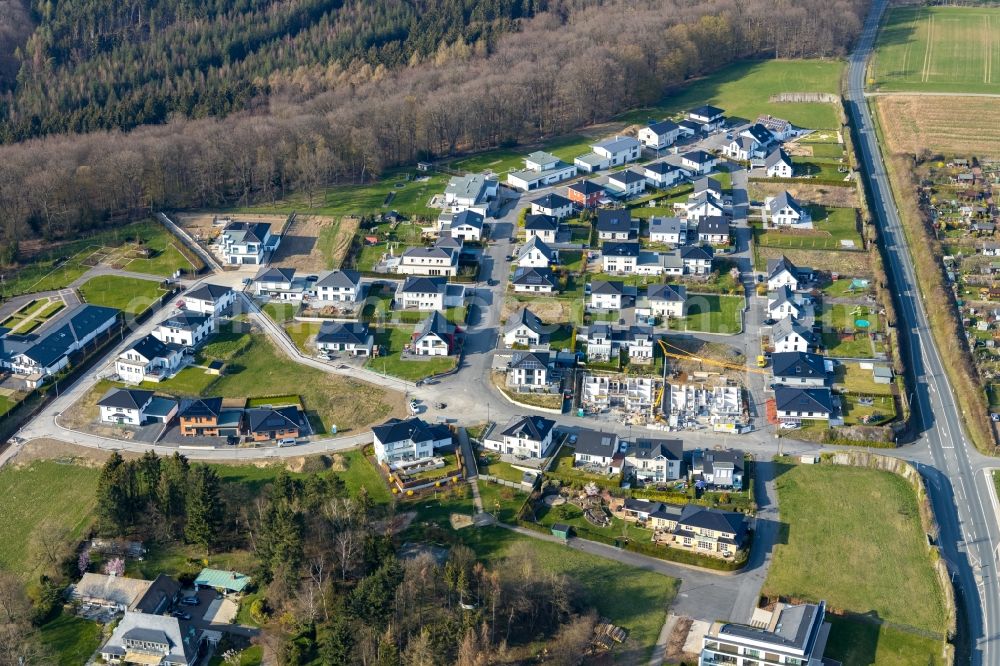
(201, 227)
(826, 195)
(549, 310)
(952, 125)
(57, 449)
(300, 247)
(857, 264)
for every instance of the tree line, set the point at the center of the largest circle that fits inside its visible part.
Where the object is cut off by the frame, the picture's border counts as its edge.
(322, 124)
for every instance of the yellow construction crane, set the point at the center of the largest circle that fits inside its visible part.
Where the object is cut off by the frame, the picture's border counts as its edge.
(686, 356)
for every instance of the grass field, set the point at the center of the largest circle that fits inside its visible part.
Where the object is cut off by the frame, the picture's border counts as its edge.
(43, 492)
(939, 49)
(951, 125)
(710, 313)
(839, 521)
(858, 642)
(831, 227)
(744, 89)
(70, 639)
(841, 317)
(130, 295)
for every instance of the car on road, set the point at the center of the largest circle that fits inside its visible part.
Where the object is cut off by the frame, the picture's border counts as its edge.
(787, 425)
(181, 615)
(287, 441)
(190, 601)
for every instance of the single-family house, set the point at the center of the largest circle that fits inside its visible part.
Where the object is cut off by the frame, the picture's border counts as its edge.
(669, 230)
(200, 418)
(779, 128)
(790, 634)
(663, 174)
(619, 257)
(540, 170)
(607, 294)
(650, 461)
(784, 211)
(794, 403)
(702, 205)
(698, 161)
(616, 225)
(185, 328)
(689, 128)
(649, 263)
(524, 328)
(472, 191)
(428, 293)
(586, 194)
(264, 424)
(135, 407)
(638, 342)
(991, 249)
(782, 273)
(697, 260)
(467, 225)
(597, 450)
(534, 281)
(529, 369)
(210, 299)
(667, 300)
(719, 468)
(280, 284)
(799, 369)
(761, 135)
(553, 205)
(603, 342)
(149, 360)
(529, 436)
(399, 440)
(713, 230)
(708, 184)
(609, 153)
(700, 529)
(246, 243)
(352, 337)
(435, 336)
(659, 135)
(144, 638)
(708, 117)
(789, 335)
(627, 183)
(783, 302)
(544, 227)
(118, 593)
(536, 254)
(434, 260)
(778, 164)
(742, 148)
(340, 286)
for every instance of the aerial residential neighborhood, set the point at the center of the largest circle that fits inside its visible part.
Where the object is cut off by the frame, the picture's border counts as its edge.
(706, 375)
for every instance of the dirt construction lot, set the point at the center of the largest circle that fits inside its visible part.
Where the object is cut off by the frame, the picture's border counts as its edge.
(951, 125)
(314, 243)
(201, 227)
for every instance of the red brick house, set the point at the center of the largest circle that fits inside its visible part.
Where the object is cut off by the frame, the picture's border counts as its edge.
(586, 193)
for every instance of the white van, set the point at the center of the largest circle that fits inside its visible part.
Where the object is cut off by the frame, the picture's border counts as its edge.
(288, 441)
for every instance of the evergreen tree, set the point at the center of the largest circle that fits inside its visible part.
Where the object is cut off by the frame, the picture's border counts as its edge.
(113, 509)
(204, 507)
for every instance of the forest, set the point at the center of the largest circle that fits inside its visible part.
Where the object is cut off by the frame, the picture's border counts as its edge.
(351, 112)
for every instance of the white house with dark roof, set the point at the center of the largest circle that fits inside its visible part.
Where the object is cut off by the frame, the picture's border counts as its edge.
(786, 635)
(246, 243)
(524, 328)
(719, 468)
(434, 260)
(784, 211)
(536, 254)
(698, 161)
(340, 286)
(654, 460)
(149, 360)
(428, 293)
(472, 191)
(707, 116)
(779, 128)
(185, 328)
(399, 440)
(800, 369)
(659, 135)
(666, 300)
(782, 273)
(124, 406)
(695, 259)
(701, 205)
(790, 335)
(466, 225)
(554, 205)
(713, 230)
(544, 227)
(627, 183)
(611, 152)
(663, 174)
(616, 225)
(352, 337)
(619, 257)
(212, 299)
(540, 170)
(534, 281)
(669, 230)
(144, 638)
(434, 336)
(811, 404)
(529, 436)
(783, 302)
(280, 283)
(598, 450)
(606, 294)
(743, 148)
(529, 369)
(778, 164)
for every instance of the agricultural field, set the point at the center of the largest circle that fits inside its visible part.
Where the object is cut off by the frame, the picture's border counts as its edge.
(939, 49)
(131, 295)
(744, 90)
(949, 125)
(824, 507)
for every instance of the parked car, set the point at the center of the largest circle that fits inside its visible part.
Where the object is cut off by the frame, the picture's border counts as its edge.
(181, 615)
(287, 441)
(190, 601)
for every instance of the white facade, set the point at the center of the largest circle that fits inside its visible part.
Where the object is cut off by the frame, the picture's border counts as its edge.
(209, 299)
(658, 136)
(188, 335)
(429, 261)
(337, 287)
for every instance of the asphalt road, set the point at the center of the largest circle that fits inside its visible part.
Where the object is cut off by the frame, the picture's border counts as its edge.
(963, 502)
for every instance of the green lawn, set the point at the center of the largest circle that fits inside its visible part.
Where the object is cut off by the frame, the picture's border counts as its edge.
(394, 340)
(883, 408)
(839, 317)
(127, 294)
(938, 49)
(711, 313)
(842, 289)
(252, 656)
(859, 642)
(506, 159)
(6, 404)
(502, 501)
(838, 521)
(280, 312)
(743, 90)
(491, 464)
(830, 227)
(44, 492)
(70, 639)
